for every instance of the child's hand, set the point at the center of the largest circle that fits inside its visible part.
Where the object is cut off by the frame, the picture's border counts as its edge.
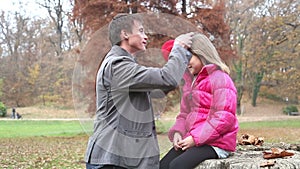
(186, 143)
(176, 139)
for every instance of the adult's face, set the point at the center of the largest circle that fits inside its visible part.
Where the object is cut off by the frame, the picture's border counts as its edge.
(137, 40)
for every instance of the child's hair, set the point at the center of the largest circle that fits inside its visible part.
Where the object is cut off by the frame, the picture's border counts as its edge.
(207, 53)
(122, 21)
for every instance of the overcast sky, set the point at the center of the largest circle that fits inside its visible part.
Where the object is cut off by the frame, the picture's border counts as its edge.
(29, 7)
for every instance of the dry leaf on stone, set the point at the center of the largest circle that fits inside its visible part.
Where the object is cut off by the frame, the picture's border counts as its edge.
(276, 153)
(268, 163)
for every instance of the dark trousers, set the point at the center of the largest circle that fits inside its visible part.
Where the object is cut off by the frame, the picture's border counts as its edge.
(188, 159)
(98, 166)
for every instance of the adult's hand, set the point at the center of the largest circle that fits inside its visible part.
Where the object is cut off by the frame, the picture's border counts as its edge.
(185, 40)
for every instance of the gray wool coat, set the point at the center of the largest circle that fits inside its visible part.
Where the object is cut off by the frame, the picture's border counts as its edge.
(124, 130)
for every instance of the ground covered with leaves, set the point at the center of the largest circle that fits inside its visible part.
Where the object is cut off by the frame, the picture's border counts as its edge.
(43, 152)
(50, 152)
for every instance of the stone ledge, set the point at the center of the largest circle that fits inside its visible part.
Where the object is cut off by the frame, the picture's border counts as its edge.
(251, 158)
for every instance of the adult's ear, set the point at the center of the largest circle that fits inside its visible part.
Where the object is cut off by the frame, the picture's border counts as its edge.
(124, 35)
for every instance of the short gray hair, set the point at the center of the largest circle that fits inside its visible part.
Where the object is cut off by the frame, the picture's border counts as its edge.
(121, 21)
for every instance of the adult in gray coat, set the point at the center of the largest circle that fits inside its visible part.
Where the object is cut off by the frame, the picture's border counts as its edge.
(124, 130)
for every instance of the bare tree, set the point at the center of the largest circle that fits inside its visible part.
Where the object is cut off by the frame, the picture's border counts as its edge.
(56, 14)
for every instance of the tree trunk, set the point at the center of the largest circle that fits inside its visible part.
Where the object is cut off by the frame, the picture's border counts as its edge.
(239, 85)
(256, 87)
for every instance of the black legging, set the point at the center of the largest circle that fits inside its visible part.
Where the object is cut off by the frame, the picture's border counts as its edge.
(188, 159)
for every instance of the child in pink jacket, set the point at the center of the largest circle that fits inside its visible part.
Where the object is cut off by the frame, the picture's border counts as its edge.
(206, 127)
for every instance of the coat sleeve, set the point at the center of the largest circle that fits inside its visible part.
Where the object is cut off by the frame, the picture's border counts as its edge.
(180, 122)
(221, 118)
(128, 75)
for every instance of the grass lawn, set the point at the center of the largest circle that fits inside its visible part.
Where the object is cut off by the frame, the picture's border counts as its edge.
(31, 128)
(286, 130)
(270, 124)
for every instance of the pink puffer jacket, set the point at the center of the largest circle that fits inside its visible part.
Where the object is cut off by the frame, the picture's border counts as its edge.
(207, 110)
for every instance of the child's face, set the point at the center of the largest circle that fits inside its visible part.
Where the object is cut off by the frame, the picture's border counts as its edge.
(195, 65)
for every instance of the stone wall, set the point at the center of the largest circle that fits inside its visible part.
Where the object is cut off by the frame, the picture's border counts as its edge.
(251, 157)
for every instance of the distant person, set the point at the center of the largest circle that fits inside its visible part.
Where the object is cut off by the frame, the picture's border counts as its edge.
(206, 126)
(124, 128)
(18, 116)
(13, 113)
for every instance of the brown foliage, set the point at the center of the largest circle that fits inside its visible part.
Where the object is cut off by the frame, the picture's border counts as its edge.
(96, 14)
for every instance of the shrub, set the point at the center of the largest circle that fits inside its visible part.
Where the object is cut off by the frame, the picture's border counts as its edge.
(290, 108)
(3, 110)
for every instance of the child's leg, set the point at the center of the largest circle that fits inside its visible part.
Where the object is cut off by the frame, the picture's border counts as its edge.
(192, 157)
(171, 155)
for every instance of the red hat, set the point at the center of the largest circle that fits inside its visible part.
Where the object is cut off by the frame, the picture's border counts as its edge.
(166, 48)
